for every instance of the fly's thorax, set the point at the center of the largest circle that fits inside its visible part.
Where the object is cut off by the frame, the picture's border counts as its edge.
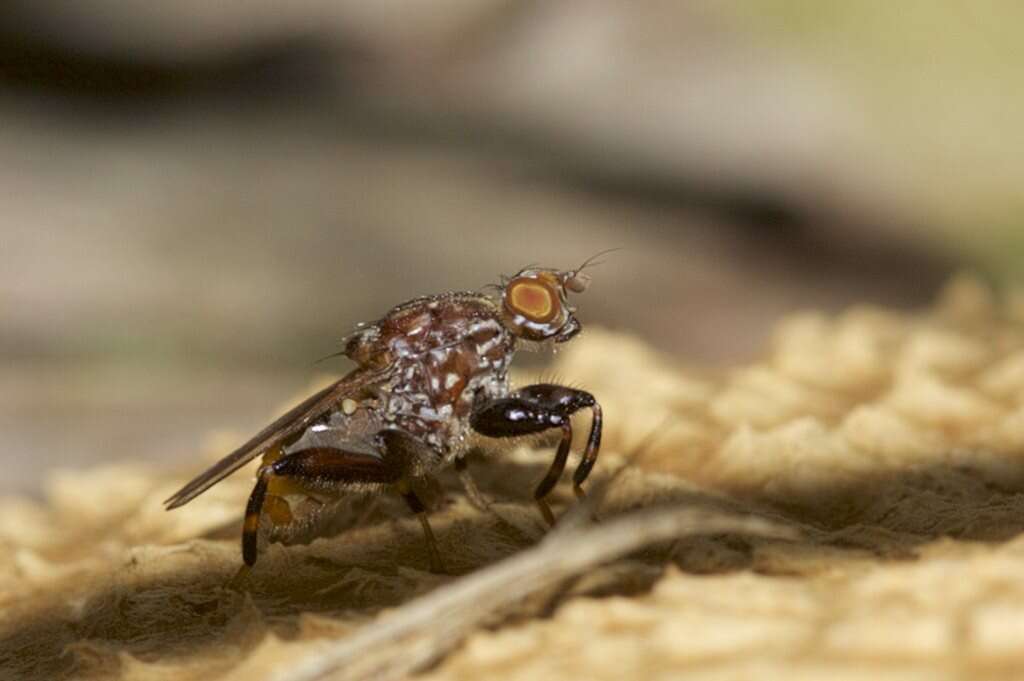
(419, 325)
(445, 352)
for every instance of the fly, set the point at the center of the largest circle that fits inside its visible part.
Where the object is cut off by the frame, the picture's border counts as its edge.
(429, 373)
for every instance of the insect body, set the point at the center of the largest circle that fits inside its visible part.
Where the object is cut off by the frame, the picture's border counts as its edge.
(430, 373)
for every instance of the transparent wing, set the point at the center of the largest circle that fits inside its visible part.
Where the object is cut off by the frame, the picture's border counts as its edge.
(287, 425)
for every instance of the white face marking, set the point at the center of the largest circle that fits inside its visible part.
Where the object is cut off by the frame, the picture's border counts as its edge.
(348, 406)
(450, 380)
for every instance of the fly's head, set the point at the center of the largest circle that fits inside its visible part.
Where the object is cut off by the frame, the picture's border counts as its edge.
(535, 303)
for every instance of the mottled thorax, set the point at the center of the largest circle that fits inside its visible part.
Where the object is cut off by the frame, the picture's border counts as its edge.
(446, 351)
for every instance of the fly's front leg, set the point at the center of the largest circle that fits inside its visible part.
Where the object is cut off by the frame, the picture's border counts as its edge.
(537, 408)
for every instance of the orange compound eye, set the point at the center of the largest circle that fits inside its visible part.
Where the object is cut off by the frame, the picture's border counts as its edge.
(532, 299)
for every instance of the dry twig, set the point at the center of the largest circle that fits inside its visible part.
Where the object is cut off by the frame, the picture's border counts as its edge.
(419, 633)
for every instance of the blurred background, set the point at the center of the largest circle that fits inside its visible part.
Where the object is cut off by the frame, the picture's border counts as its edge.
(198, 200)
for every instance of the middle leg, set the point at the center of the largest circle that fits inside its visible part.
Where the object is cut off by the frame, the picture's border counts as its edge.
(473, 493)
(417, 507)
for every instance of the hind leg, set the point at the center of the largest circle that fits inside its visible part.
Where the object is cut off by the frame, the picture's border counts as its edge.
(317, 468)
